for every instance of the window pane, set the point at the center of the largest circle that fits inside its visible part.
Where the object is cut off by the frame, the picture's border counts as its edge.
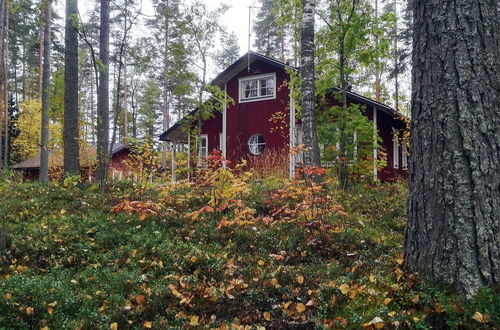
(256, 144)
(270, 86)
(250, 88)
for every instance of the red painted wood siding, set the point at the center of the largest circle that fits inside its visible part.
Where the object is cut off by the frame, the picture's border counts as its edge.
(249, 118)
(246, 119)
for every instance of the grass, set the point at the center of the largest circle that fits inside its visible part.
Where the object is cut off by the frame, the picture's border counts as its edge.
(72, 263)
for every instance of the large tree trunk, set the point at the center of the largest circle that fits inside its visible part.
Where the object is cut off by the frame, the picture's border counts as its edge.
(308, 99)
(454, 182)
(44, 144)
(103, 99)
(70, 134)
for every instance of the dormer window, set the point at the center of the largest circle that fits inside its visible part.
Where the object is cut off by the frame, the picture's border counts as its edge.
(256, 88)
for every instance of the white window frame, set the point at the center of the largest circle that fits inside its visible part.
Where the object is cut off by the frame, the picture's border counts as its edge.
(258, 78)
(404, 156)
(117, 175)
(203, 137)
(258, 144)
(395, 148)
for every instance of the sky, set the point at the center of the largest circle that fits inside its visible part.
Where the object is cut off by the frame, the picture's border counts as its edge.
(235, 19)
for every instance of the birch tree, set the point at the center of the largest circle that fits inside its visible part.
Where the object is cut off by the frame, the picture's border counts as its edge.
(308, 99)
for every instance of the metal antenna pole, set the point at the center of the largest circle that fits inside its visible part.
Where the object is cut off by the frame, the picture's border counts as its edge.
(249, 36)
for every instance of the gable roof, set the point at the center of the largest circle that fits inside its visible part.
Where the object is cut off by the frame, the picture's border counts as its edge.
(87, 154)
(243, 62)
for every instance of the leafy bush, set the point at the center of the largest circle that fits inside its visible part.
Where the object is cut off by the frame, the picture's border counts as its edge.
(74, 263)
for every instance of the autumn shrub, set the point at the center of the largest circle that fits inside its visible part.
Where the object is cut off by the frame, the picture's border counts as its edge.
(73, 263)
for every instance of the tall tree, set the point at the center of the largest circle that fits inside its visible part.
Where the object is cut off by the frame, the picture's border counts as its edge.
(308, 99)
(70, 134)
(229, 51)
(44, 150)
(454, 196)
(4, 80)
(103, 98)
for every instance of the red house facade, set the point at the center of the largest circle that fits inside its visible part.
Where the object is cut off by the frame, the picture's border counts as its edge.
(260, 119)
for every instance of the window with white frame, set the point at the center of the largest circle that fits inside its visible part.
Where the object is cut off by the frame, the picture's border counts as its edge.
(203, 151)
(257, 88)
(404, 156)
(256, 144)
(395, 148)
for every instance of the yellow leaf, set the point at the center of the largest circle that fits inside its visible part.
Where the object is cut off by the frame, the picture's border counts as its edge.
(391, 314)
(344, 288)
(285, 305)
(113, 326)
(45, 328)
(387, 301)
(415, 299)
(439, 308)
(148, 325)
(133, 253)
(30, 310)
(481, 318)
(193, 320)
(50, 310)
(193, 259)
(8, 296)
(267, 316)
(301, 307)
(300, 279)
(274, 281)
(261, 262)
(372, 278)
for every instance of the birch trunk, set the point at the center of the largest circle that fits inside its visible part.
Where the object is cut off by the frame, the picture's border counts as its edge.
(308, 99)
(44, 151)
(454, 182)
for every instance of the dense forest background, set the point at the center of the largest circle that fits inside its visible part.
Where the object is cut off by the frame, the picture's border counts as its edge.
(163, 54)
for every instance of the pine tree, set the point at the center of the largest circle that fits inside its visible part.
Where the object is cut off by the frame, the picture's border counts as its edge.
(71, 110)
(454, 197)
(44, 145)
(103, 98)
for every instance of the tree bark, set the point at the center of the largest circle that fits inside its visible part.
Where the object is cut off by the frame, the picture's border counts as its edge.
(454, 183)
(166, 109)
(40, 61)
(44, 144)
(103, 99)
(308, 99)
(4, 83)
(70, 133)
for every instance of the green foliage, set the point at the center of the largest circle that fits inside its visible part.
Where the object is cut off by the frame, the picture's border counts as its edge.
(347, 136)
(73, 263)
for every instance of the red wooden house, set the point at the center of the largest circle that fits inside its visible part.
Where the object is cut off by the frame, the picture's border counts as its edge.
(258, 85)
